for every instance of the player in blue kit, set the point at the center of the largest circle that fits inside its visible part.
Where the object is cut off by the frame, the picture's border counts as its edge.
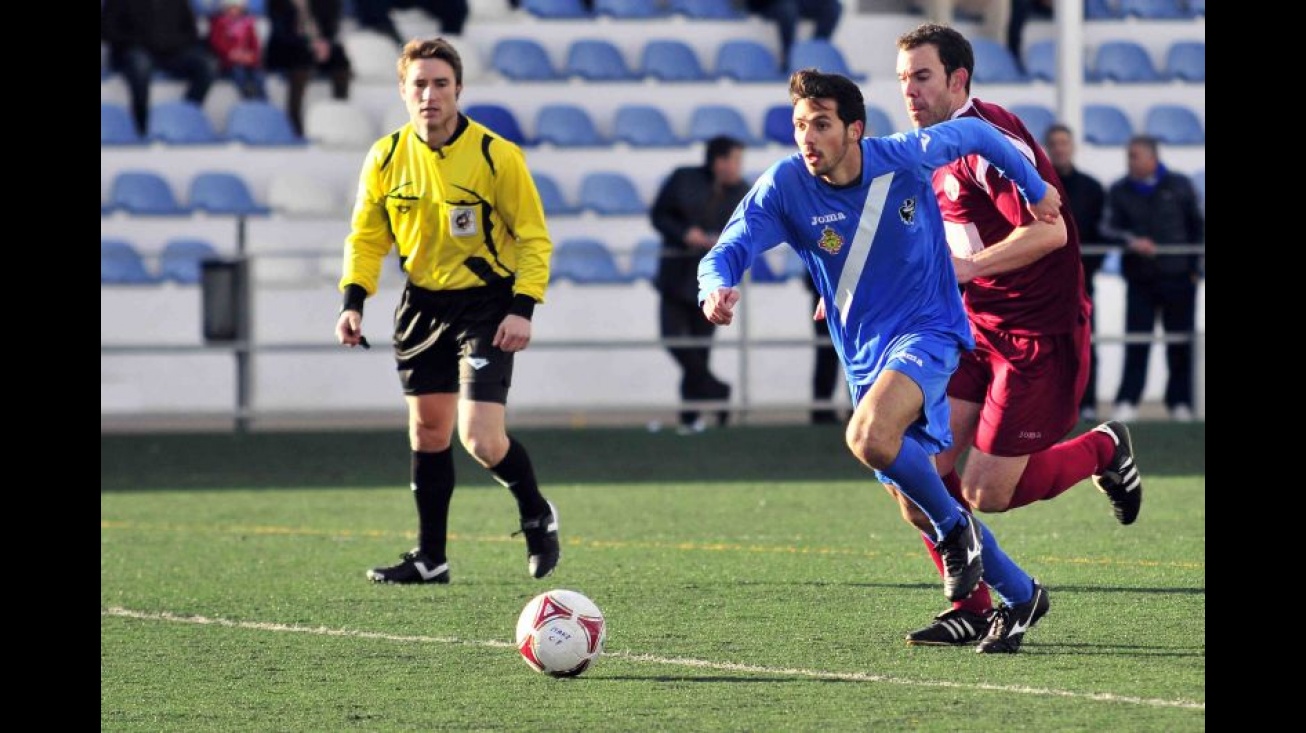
(862, 215)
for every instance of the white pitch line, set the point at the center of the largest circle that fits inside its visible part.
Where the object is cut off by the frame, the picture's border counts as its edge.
(669, 661)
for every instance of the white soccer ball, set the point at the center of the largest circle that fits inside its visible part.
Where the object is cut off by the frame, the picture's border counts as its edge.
(560, 633)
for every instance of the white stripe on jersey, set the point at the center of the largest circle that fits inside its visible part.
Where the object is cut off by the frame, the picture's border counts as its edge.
(860, 249)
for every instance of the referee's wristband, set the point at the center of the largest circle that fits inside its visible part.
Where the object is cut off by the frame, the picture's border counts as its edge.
(522, 305)
(354, 296)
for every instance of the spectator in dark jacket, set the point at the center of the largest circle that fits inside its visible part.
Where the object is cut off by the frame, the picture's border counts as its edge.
(692, 206)
(1153, 209)
(303, 41)
(149, 35)
(786, 14)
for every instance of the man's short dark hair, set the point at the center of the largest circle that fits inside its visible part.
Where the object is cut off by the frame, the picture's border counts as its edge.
(1056, 127)
(812, 84)
(954, 50)
(721, 146)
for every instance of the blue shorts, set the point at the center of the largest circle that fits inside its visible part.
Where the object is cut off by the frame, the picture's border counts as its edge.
(929, 359)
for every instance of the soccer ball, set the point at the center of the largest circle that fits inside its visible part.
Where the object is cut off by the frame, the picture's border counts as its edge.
(560, 633)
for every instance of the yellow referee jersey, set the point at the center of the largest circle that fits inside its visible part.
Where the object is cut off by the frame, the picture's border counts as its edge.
(463, 216)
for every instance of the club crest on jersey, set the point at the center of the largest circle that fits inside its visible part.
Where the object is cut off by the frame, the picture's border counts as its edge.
(907, 212)
(462, 221)
(830, 241)
(951, 187)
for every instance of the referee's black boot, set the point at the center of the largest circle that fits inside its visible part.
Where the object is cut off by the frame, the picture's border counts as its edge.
(543, 549)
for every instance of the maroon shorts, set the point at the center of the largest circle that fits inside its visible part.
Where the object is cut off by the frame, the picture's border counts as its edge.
(1029, 387)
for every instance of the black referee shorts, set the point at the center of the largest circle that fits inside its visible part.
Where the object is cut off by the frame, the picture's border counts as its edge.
(443, 342)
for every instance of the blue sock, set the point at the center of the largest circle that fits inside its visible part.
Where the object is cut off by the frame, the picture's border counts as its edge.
(917, 479)
(1002, 574)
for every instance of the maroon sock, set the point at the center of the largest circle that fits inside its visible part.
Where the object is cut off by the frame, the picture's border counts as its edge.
(1050, 472)
(978, 601)
(952, 482)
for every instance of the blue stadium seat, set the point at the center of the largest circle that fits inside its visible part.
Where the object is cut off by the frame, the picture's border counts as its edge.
(220, 192)
(632, 9)
(585, 261)
(121, 264)
(523, 59)
(670, 60)
(551, 197)
(144, 193)
(1124, 62)
(1102, 10)
(1197, 8)
(708, 9)
(181, 258)
(609, 193)
(1186, 61)
(181, 123)
(747, 61)
(557, 9)
(1036, 117)
(878, 122)
(644, 262)
(594, 59)
(709, 120)
(1106, 124)
(499, 119)
(1174, 124)
(778, 124)
(261, 123)
(994, 64)
(567, 126)
(1156, 9)
(822, 55)
(1041, 60)
(644, 126)
(116, 126)
(762, 272)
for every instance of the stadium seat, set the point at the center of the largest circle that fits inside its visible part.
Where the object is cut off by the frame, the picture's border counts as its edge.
(1041, 60)
(261, 123)
(778, 124)
(644, 126)
(500, 119)
(116, 126)
(523, 59)
(747, 61)
(1174, 124)
(585, 261)
(994, 64)
(144, 193)
(181, 258)
(298, 195)
(762, 272)
(1106, 124)
(1036, 117)
(181, 123)
(644, 261)
(551, 196)
(1156, 9)
(609, 193)
(220, 192)
(371, 55)
(1186, 61)
(594, 59)
(878, 122)
(121, 264)
(1124, 62)
(669, 60)
(566, 126)
(708, 9)
(1102, 10)
(339, 123)
(1197, 8)
(823, 55)
(557, 9)
(632, 9)
(709, 120)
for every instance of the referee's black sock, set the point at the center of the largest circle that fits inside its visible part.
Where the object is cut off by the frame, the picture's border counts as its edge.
(515, 472)
(433, 480)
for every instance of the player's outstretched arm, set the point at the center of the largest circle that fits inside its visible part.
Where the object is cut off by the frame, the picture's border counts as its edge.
(1048, 209)
(719, 306)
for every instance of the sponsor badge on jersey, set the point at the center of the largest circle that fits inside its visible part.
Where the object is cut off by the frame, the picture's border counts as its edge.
(462, 221)
(830, 241)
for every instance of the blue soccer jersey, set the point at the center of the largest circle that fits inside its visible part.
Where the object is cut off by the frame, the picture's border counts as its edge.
(874, 248)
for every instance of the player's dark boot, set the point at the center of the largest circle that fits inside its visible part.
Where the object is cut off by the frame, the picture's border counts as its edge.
(962, 566)
(953, 627)
(1008, 624)
(416, 567)
(542, 547)
(1120, 480)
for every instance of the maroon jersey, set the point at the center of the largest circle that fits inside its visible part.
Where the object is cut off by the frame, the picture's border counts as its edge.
(981, 207)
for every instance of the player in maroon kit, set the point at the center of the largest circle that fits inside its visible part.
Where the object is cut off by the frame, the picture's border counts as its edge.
(1017, 394)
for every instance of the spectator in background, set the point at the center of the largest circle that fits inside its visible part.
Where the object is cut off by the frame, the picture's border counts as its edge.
(786, 14)
(149, 35)
(825, 372)
(1087, 200)
(303, 42)
(233, 38)
(692, 206)
(1151, 209)
(374, 15)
